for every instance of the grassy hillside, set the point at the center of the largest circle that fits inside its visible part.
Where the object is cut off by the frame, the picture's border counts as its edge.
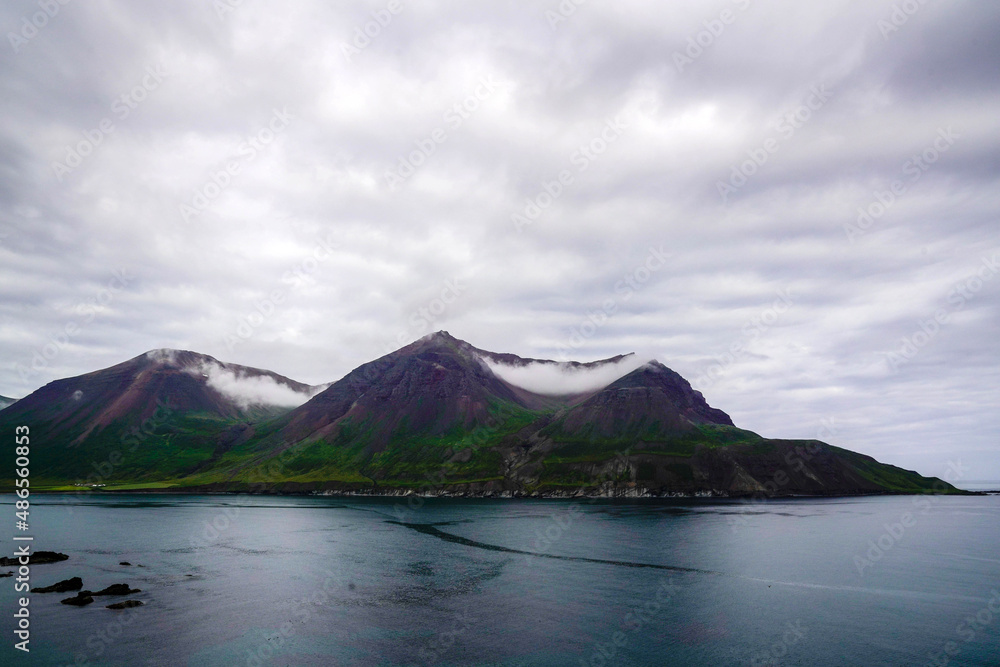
(431, 418)
(510, 455)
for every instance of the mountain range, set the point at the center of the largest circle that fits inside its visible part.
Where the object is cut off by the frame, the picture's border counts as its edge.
(438, 416)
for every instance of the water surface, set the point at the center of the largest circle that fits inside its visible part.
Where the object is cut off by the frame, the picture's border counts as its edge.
(255, 580)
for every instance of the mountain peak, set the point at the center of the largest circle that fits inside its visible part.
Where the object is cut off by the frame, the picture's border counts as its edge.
(171, 358)
(441, 337)
(654, 375)
(437, 341)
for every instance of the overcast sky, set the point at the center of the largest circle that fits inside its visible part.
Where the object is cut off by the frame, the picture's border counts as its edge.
(305, 186)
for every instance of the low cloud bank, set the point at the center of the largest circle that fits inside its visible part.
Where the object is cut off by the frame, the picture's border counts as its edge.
(259, 390)
(560, 378)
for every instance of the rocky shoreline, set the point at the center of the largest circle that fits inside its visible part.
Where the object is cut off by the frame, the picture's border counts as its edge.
(462, 492)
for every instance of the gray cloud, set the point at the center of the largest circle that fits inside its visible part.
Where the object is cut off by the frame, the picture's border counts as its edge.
(308, 263)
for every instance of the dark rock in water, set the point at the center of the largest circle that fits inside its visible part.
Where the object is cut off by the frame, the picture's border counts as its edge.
(117, 589)
(74, 584)
(124, 562)
(81, 599)
(37, 558)
(7, 574)
(126, 604)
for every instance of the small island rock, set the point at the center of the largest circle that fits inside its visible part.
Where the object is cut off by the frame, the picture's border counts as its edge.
(37, 558)
(79, 601)
(74, 584)
(117, 589)
(126, 604)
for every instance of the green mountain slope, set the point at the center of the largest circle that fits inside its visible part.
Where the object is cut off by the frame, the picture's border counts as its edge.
(154, 417)
(432, 417)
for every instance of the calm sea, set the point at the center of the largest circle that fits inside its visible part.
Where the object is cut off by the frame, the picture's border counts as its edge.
(252, 580)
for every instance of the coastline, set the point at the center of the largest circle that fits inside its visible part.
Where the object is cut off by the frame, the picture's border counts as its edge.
(510, 495)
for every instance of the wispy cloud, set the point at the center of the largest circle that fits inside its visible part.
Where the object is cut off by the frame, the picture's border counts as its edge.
(562, 378)
(248, 391)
